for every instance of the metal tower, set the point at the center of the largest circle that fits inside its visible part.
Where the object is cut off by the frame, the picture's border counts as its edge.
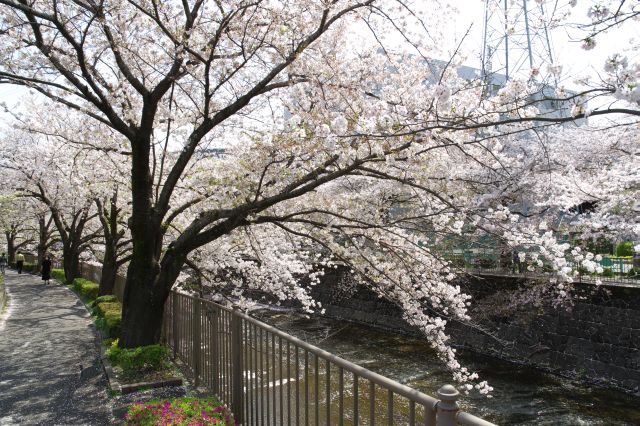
(516, 42)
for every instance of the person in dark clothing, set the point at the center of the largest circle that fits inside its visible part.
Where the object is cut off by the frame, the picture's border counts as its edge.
(46, 269)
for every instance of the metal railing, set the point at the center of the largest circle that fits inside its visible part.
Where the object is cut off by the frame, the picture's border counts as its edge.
(614, 280)
(271, 378)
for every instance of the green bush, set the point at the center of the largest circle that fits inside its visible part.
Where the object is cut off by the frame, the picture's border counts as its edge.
(634, 273)
(87, 289)
(142, 358)
(29, 267)
(57, 274)
(107, 298)
(109, 317)
(178, 412)
(607, 272)
(625, 249)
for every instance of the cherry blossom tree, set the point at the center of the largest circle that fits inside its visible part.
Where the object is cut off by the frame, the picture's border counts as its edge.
(116, 244)
(16, 224)
(335, 153)
(45, 173)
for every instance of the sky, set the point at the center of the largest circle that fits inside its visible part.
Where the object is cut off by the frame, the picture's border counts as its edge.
(470, 17)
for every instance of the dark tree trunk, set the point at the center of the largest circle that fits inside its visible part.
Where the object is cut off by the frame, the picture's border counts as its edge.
(146, 291)
(143, 301)
(112, 236)
(109, 272)
(11, 247)
(43, 237)
(71, 263)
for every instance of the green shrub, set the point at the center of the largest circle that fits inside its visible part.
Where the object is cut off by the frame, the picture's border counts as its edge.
(142, 358)
(107, 298)
(634, 273)
(109, 318)
(29, 267)
(607, 272)
(625, 249)
(179, 411)
(57, 274)
(87, 289)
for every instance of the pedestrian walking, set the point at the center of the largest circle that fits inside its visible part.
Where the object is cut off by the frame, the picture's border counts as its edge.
(3, 263)
(46, 269)
(19, 262)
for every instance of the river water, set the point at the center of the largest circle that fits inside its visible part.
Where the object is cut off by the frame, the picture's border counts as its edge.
(521, 396)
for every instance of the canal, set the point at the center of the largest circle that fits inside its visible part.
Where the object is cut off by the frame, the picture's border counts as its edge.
(521, 396)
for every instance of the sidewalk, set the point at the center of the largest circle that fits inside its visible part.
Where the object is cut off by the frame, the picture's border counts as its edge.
(50, 372)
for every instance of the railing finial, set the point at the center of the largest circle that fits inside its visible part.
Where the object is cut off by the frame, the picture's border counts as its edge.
(447, 406)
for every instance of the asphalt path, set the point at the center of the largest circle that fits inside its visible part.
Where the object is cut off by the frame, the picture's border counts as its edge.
(50, 373)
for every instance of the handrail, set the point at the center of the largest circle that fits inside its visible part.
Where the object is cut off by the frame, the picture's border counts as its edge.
(392, 385)
(223, 349)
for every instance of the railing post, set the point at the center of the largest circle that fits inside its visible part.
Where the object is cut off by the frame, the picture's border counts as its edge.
(197, 347)
(236, 366)
(447, 406)
(215, 353)
(174, 323)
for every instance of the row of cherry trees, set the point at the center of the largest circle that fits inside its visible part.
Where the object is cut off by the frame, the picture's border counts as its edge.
(336, 153)
(59, 201)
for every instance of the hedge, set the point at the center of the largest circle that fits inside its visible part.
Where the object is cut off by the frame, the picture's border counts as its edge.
(107, 298)
(29, 267)
(58, 274)
(87, 289)
(109, 317)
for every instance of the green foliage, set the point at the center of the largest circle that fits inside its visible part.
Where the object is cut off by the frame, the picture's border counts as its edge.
(29, 267)
(625, 249)
(109, 318)
(634, 273)
(57, 274)
(607, 272)
(179, 411)
(107, 298)
(143, 358)
(87, 289)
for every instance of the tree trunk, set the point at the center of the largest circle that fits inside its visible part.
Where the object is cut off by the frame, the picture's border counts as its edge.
(42, 242)
(71, 264)
(11, 247)
(145, 298)
(109, 271)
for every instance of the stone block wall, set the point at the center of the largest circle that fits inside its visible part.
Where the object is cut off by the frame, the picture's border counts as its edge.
(597, 340)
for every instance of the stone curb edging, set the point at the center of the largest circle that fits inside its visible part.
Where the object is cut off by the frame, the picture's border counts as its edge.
(125, 388)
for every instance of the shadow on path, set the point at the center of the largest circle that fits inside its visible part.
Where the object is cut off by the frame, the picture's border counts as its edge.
(50, 373)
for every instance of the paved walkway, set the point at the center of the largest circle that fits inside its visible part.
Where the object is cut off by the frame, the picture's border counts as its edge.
(50, 372)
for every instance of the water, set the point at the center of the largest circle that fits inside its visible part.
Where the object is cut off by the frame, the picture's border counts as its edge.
(522, 396)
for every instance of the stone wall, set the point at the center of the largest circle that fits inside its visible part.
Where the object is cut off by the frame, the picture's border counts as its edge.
(3, 295)
(598, 340)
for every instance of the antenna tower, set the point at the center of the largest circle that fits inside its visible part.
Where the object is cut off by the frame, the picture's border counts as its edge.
(516, 41)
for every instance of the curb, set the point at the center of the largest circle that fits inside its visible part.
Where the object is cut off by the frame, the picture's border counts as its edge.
(126, 388)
